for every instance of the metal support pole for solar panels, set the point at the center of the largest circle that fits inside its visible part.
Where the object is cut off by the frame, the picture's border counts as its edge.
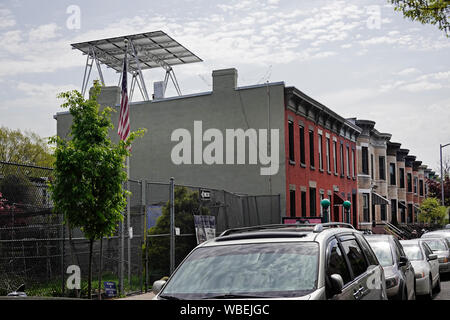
(87, 74)
(141, 77)
(99, 69)
(175, 82)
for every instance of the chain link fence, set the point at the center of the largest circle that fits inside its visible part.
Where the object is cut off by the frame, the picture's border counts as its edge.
(37, 249)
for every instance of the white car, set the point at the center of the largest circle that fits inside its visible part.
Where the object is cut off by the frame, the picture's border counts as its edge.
(426, 266)
(305, 262)
(440, 245)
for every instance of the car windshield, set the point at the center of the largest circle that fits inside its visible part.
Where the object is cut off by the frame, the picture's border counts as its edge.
(257, 270)
(413, 251)
(436, 244)
(383, 252)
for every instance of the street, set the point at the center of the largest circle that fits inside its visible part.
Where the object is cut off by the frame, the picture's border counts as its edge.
(445, 289)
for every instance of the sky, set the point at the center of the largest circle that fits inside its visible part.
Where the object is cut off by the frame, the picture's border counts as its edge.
(358, 57)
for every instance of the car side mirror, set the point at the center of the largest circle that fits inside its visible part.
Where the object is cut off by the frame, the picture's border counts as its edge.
(158, 285)
(337, 283)
(403, 261)
(432, 257)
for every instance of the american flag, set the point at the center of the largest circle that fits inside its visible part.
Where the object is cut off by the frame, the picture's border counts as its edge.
(124, 119)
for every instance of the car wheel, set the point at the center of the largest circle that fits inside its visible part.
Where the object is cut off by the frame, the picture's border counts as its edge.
(438, 285)
(405, 293)
(414, 291)
(430, 295)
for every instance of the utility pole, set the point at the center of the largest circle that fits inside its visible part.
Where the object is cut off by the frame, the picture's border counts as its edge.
(442, 176)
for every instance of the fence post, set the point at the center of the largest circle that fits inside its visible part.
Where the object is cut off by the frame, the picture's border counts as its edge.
(63, 250)
(144, 229)
(172, 226)
(146, 242)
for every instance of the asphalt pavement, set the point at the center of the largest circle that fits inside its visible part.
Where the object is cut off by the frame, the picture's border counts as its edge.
(445, 288)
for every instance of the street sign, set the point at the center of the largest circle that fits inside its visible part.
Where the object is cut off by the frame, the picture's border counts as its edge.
(205, 195)
(110, 289)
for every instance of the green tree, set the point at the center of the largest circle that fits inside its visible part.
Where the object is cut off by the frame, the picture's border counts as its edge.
(432, 212)
(89, 171)
(426, 12)
(25, 148)
(187, 205)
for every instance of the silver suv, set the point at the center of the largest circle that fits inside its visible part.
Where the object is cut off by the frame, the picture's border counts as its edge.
(316, 262)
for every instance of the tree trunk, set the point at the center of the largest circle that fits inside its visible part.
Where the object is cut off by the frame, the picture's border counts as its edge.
(100, 271)
(91, 245)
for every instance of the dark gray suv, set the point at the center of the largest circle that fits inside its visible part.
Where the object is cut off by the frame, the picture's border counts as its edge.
(308, 262)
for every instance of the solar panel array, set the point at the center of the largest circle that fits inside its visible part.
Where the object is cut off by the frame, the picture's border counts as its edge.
(154, 49)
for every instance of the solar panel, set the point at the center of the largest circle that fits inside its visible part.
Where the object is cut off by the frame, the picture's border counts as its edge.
(154, 50)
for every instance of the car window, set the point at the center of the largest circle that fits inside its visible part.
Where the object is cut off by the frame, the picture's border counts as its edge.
(400, 248)
(336, 262)
(413, 252)
(258, 269)
(397, 251)
(371, 257)
(383, 252)
(427, 249)
(355, 256)
(436, 245)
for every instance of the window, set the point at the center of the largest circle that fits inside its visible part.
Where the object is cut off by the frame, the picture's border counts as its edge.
(421, 187)
(321, 197)
(383, 212)
(303, 203)
(355, 256)
(365, 160)
(393, 178)
(371, 167)
(348, 162)
(342, 160)
(291, 142)
(336, 262)
(328, 155)
(311, 147)
(416, 180)
(365, 207)
(320, 152)
(312, 201)
(382, 167)
(410, 213)
(409, 178)
(302, 145)
(292, 203)
(353, 163)
(371, 257)
(394, 210)
(335, 157)
(402, 177)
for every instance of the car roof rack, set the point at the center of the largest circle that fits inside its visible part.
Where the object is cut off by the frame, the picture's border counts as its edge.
(316, 228)
(321, 226)
(265, 227)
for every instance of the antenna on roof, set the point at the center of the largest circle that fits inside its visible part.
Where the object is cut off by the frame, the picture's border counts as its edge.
(146, 51)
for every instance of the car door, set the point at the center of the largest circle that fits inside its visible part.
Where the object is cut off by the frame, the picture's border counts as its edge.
(376, 282)
(434, 264)
(407, 269)
(336, 263)
(359, 267)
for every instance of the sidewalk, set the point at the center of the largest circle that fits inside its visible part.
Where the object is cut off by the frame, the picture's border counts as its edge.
(145, 296)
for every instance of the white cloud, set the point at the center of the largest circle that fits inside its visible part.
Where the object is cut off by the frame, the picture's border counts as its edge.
(7, 19)
(44, 32)
(407, 72)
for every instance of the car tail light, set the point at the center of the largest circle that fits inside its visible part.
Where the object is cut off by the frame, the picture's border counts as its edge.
(420, 275)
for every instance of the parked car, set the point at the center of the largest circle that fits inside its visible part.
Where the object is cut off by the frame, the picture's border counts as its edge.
(398, 270)
(443, 233)
(440, 247)
(447, 226)
(425, 264)
(307, 262)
